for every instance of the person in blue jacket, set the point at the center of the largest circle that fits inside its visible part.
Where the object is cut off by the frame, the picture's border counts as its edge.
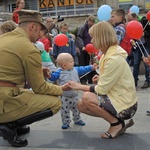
(65, 73)
(70, 45)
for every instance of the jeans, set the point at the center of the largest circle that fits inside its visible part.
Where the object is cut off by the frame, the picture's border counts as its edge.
(137, 60)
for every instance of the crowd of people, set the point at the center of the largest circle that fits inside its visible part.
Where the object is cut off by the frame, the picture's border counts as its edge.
(54, 79)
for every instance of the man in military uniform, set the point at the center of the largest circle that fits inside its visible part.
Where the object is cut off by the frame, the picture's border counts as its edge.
(20, 61)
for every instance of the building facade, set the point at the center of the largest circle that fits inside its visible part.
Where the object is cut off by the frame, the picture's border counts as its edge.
(67, 8)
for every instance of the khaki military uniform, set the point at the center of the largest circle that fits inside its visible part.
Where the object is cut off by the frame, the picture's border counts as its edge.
(20, 61)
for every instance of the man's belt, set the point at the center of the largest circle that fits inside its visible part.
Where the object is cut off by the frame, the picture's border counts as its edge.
(7, 84)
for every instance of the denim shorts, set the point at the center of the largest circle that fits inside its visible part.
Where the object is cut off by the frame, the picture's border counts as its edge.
(105, 103)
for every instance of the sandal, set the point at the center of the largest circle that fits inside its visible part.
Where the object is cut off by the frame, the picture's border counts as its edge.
(129, 124)
(123, 129)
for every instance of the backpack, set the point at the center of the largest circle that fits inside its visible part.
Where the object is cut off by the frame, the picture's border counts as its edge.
(126, 42)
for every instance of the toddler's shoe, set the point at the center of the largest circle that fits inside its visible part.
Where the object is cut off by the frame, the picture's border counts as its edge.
(65, 126)
(148, 112)
(80, 123)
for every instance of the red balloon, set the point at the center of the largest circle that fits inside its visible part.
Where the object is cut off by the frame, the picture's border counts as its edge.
(90, 48)
(134, 30)
(61, 40)
(148, 16)
(96, 51)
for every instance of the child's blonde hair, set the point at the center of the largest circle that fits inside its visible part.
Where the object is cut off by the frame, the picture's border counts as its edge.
(63, 24)
(91, 18)
(103, 35)
(119, 12)
(63, 58)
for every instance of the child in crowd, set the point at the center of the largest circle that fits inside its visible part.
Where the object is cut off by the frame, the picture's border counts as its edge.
(69, 98)
(7, 26)
(69, 47)
(45, 38)
(46, 60)
(117, 20)
(20, 4)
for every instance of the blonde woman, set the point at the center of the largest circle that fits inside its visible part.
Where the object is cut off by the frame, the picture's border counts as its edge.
(113, 98)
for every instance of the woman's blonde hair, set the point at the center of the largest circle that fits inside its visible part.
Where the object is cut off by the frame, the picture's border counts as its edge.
(8, 26)
(103, 35)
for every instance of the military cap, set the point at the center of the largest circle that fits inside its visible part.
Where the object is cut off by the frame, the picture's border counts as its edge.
(30, 16)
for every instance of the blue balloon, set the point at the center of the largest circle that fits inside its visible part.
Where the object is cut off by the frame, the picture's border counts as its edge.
(104, 13)
(135, 9)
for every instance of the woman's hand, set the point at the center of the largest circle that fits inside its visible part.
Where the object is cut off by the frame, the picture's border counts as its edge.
(95, 79)
(74, 85)
(65, 87)
(77, 86)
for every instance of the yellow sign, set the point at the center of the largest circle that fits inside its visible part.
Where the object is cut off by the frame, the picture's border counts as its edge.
(53, 3)
(147, 5)
(125, 0)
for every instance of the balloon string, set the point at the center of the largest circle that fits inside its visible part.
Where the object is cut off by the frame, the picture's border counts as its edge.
(85, 74)
(146, 25)
(140, 49)
(144, 47)
(97, 71)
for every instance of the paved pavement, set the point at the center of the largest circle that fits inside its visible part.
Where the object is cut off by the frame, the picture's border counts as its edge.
(48, 135)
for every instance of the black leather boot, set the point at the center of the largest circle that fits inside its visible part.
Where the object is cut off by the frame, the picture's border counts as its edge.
(22, 130)
(11, 136)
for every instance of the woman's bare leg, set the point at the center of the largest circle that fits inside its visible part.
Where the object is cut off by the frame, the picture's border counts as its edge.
(89, 105)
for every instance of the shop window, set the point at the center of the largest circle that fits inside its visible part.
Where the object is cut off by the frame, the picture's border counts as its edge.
(125, 6)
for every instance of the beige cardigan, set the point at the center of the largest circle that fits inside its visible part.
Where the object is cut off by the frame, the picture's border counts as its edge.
(116, 79)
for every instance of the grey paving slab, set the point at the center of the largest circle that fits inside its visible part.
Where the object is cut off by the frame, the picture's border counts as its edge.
(85, 140)
(48, 135)
(3, 148)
